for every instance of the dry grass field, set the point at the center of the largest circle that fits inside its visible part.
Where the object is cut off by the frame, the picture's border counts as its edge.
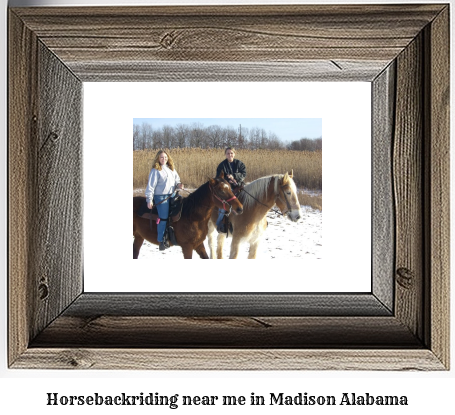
(196, 165)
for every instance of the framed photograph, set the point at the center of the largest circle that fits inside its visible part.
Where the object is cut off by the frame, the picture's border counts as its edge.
(330, 106)
(400, 322)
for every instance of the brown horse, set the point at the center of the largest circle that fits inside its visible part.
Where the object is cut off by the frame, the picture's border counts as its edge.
(257, 198)
(191, 229)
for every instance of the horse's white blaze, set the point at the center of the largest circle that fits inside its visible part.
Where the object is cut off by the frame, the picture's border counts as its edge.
(295, 212)
(293, 187)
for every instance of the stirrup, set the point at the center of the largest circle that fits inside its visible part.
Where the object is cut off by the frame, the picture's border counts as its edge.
(221, 228)
(163, 245)
(171, 235)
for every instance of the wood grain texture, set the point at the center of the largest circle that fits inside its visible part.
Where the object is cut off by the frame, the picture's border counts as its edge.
(227, 34)
(57, 221)
(256, 332)
(438, 198)
(22, 131)
(90, 305)
(230, 359)
(383, 215)
(402, 50)
(408, 187)
(45, 205)
(309, 71)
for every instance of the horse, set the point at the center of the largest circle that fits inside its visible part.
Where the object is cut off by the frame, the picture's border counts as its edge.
(192, 227)
(257, 197)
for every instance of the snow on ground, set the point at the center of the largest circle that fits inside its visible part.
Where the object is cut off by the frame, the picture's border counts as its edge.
(282, 239)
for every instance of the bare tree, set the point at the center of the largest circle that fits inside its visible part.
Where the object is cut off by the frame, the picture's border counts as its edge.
(214, 136)
(136, 135)
(255, 138)
(242, 141)
(145, 136)
(274, 142)
(306, 144)
(168, 136)
(157, 139)
(182, 135)
(230, 138)
(196, 135)
(264, 139)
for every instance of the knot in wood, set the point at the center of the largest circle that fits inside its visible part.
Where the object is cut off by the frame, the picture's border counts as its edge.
(76, 359)
(43, 291)
(405, 278)
(53, 136)
(168, 40)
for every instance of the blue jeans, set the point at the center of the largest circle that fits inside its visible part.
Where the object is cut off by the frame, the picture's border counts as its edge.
(221, 213)
(163, 213)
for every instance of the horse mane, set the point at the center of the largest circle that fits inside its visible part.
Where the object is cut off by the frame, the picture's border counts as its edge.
(257, 188)
(194, 199)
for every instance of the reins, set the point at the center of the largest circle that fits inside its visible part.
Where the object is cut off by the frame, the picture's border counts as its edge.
(276, 196)
(272, 209)
(224, 202)
(156, 204)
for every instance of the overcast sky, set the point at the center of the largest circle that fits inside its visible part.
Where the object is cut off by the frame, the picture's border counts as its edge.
(287, 129)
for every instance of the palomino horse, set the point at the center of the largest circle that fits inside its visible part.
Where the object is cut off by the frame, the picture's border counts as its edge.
(191, 229)
(257, 198)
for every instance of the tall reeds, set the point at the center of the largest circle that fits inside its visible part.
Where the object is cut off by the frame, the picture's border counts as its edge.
(195, 165)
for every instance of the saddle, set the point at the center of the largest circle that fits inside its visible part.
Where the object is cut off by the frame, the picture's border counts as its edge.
(175, 213)
(175, 210)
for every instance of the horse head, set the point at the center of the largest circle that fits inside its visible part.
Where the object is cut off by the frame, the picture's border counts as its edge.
(223, 196)
(287, 199)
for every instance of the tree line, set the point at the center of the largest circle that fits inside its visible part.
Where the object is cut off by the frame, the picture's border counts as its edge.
(196, 135)
(306, 144)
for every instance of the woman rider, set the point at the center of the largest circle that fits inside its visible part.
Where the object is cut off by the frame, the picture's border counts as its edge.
(162, 182)
(235, 173)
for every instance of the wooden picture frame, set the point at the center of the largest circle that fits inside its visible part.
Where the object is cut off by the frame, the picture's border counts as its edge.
(402, 324)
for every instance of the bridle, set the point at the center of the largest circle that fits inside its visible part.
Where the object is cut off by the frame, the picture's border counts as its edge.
(277, 196)
(286, 201)
(224, 202)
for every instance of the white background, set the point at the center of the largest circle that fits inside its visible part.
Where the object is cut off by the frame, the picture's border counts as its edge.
(25, 391)
(109, 109)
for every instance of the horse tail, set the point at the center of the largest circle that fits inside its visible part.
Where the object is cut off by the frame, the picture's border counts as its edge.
(137, 202)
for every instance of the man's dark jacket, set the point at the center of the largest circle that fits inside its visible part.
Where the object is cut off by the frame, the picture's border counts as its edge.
(238, 170)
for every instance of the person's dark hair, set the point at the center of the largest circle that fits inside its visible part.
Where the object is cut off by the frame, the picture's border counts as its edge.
(229, 148)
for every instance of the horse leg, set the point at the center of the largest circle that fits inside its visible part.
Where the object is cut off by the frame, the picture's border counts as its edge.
(235, 245)
(201, 251)
(187, 251)
(138, 241)
(211, 239)
(256, 238)
(220, 243)
(253, 250)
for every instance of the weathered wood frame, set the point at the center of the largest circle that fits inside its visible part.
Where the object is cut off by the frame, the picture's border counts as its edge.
(403, 50)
